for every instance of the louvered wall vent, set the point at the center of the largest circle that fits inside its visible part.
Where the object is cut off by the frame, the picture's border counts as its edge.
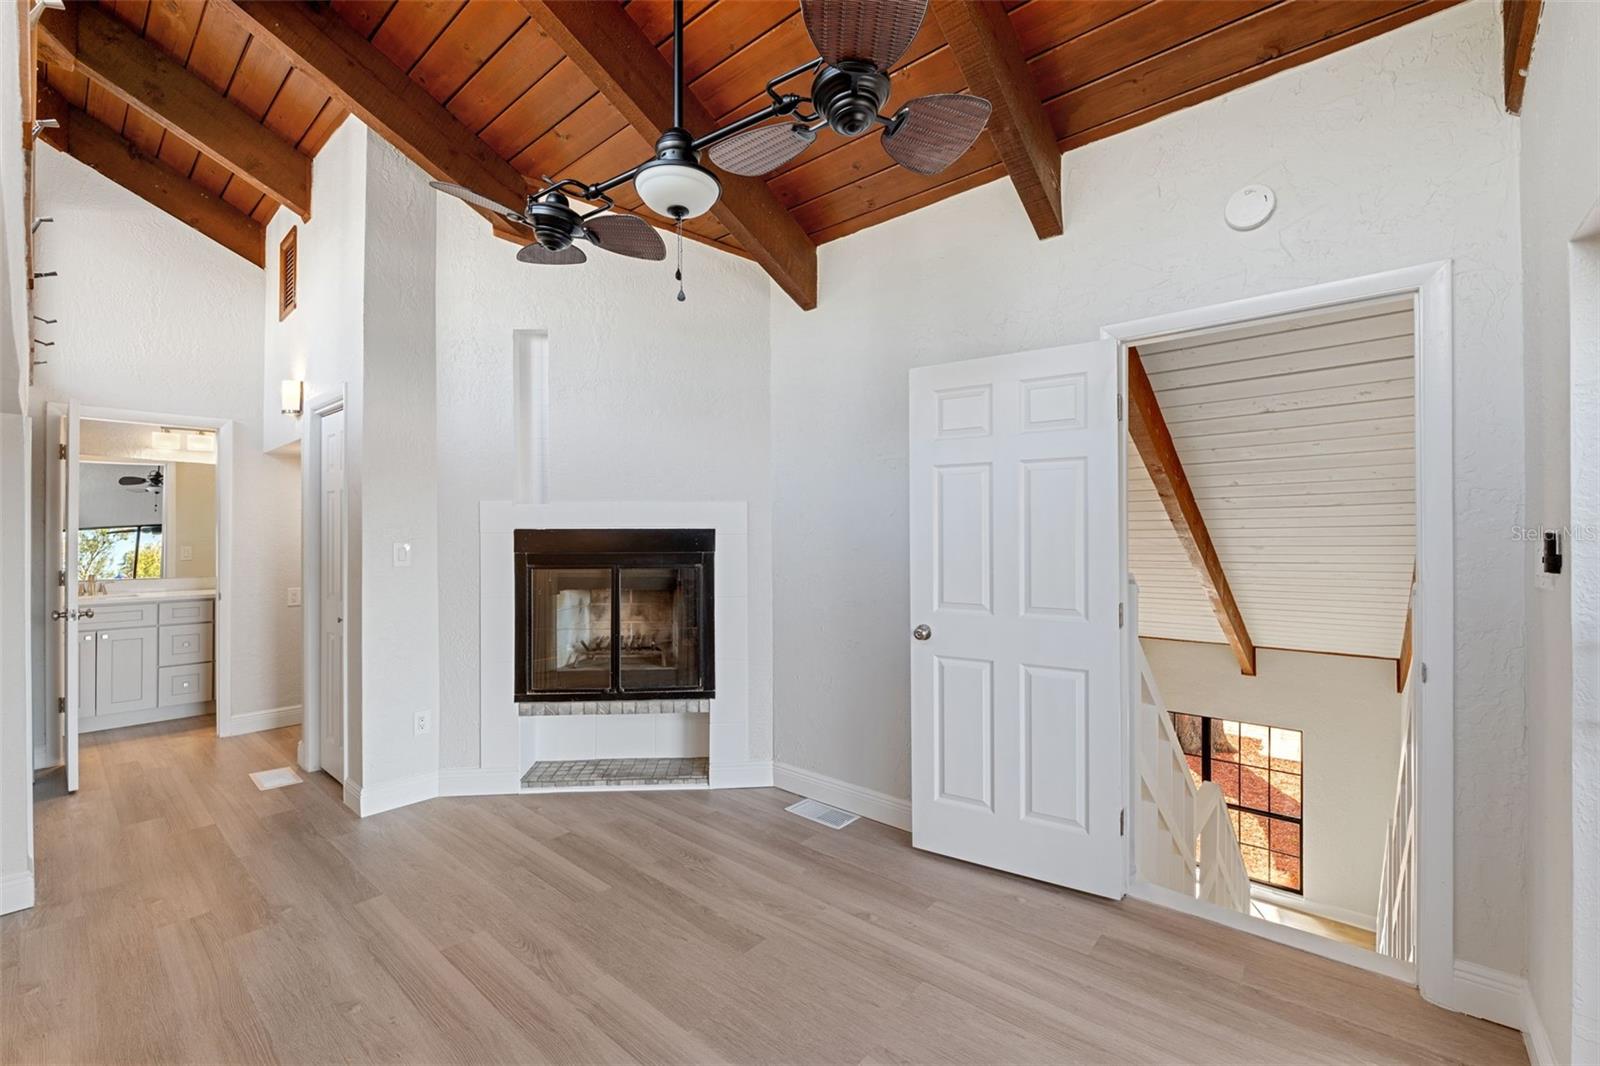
(288, 264)
(832, 817)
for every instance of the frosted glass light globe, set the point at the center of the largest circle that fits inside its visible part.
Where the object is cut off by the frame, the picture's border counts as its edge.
(676, 189)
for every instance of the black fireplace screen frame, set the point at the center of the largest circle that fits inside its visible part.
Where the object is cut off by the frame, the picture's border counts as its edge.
(614, 550)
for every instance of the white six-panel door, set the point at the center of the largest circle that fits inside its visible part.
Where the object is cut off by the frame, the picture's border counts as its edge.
(1016, 573)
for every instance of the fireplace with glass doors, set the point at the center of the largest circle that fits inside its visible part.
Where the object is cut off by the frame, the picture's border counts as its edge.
(614, 614)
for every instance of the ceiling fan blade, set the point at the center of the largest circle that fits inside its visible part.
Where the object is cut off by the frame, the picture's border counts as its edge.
(538, 253)
(627, 235)
(877, 31)
(763, 149)
(463, 193)
(936, 130)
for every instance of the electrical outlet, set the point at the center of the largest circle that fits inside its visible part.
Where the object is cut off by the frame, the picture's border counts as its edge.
(291, 598)
(424, 723)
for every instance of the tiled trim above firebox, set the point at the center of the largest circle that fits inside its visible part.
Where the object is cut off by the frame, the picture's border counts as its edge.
(575, 707)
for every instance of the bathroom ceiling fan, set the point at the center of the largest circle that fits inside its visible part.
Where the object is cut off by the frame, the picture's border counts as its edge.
(151, 482)
(857, 41)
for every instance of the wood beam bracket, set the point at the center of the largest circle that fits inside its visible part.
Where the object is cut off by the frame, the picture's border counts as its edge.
(1148, 428)
(985, 46)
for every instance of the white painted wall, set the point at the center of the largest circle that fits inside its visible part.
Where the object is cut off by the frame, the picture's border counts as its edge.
(16, 724)
(321, 343)
(1560, 174)
(650, 399)
(155, 317)
(1393, 153)
(364, 324)
(1349, 713)
(398, 475)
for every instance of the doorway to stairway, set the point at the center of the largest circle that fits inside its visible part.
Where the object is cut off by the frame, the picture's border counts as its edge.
(1289, 529)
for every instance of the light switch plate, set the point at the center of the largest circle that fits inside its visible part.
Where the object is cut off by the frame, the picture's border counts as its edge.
(292, 598)
(402, 554)
(186, 553)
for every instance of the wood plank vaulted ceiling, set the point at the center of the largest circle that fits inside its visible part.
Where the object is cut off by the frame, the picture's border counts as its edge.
(1099, 67)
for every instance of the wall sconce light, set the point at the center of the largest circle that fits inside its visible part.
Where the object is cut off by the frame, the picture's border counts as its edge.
(294, 394)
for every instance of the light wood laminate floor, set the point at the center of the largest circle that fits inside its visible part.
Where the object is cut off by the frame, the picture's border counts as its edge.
(184, 916)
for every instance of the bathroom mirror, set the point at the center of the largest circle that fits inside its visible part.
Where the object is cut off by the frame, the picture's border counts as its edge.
(147, 503)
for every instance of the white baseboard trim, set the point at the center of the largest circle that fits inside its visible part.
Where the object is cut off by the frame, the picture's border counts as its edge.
(1343, 915)
(477, 781)
(741, 775)
(255, 721)
(878, 806)
(16, 892)
(387, 795)
(42, 759)
(1535, 1038)
(1488, 993)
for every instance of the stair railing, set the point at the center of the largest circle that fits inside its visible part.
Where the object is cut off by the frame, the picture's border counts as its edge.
(1185, 838)
(1397, 917)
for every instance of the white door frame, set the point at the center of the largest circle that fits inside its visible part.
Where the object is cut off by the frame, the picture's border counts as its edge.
(222, 617)
(1434, 617)
(309, 753)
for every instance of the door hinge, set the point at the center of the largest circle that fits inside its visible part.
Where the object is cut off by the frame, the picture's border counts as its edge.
(61, 579)
(1122, 822)
(1423, 672)
(1120, 615)
(61, 452)
(61, 705)
(1119, 407)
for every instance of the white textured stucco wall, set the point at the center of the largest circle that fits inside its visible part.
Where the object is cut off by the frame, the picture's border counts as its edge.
(16, 727)
(1560, 129)
(153, 316)
(1389, 154)
(399, 474)
(650, 399)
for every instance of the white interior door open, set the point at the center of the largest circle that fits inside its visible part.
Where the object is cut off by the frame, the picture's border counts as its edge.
(1016, 582)
(64, 672)
(331, 590)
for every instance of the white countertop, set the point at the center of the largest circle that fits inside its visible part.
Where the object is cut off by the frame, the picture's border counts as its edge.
(149, 596)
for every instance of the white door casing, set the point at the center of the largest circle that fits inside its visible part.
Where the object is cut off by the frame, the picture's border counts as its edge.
(1017, 571)
(66, 674)
(331, 589)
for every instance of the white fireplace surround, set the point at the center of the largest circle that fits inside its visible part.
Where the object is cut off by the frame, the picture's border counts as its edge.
(498, 522)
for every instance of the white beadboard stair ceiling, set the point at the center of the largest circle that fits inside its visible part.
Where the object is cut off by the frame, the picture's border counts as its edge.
(1297, 438)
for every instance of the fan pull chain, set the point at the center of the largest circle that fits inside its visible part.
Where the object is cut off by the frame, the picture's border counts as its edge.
(678, 274)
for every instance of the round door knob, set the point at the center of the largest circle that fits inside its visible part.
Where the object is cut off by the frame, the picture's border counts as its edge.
(922, 632)
(87, 614)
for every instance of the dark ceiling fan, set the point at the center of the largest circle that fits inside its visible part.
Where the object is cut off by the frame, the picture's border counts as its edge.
(857, 42)
(151, 482)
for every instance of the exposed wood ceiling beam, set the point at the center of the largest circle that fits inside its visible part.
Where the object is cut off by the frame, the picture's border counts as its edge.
(1520, 19)
(986, 48)
(95, 44)
(1402, 665)
(1148, 428)
(106, 151)
(371, 87)
(623, 63)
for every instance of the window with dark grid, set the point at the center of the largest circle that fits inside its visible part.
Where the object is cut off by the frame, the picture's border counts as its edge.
(1260, 770)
